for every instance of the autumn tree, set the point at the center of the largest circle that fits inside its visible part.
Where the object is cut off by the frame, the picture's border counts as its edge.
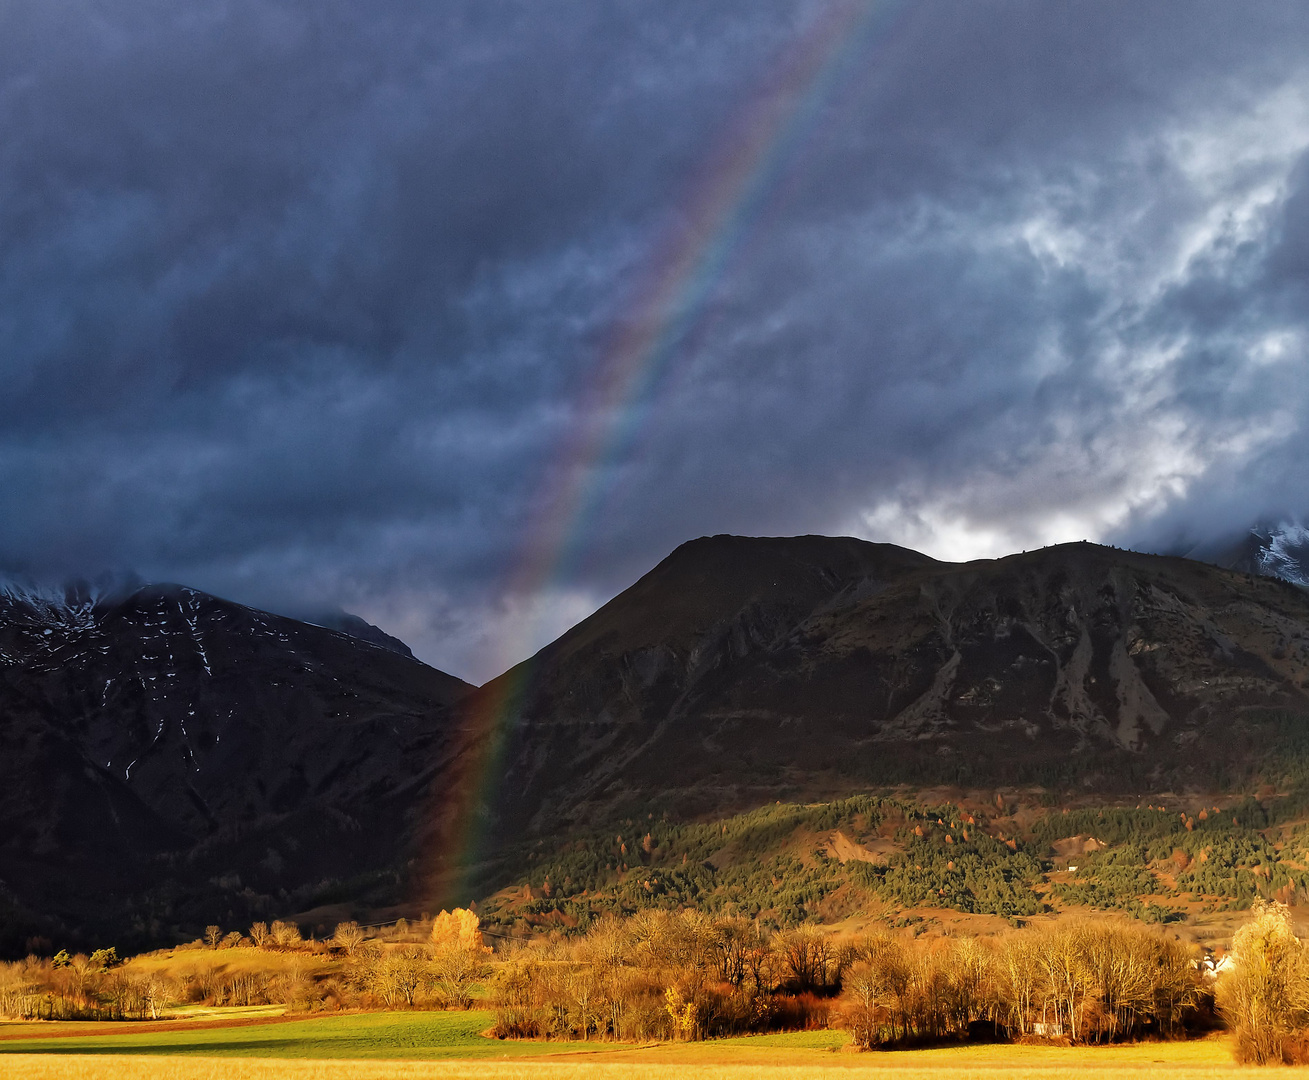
(458, 955)
(1265, 994)
(459, 928)
(684, 1013)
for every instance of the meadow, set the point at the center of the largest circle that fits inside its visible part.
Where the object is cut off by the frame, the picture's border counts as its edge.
(430, 1035)
(680, 994)
(802, 1057)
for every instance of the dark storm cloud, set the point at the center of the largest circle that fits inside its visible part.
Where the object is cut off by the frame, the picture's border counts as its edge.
(298, 301)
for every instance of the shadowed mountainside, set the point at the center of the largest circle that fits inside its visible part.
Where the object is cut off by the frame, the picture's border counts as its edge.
(742, 670)
(167, 757)
(343, 622)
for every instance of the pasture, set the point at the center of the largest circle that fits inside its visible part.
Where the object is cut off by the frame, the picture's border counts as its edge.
(417, 1045)
(430, 1035)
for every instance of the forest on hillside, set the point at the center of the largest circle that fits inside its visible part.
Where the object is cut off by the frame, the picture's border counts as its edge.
(788, 864)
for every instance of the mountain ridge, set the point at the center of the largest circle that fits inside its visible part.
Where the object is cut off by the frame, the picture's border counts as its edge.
(1076, 661)
(168, 756)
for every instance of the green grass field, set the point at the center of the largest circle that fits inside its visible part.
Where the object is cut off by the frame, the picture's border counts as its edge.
(430, 1035)
(450, 1045)
(413, 1035)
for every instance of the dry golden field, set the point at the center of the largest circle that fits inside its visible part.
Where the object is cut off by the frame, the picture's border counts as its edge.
(1209, 1058)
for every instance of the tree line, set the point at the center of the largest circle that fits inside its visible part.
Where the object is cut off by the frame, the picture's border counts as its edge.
(685, 975)
(435, 964)
(80, 987)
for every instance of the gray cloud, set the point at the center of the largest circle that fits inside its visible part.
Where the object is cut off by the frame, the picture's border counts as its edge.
(299, 302)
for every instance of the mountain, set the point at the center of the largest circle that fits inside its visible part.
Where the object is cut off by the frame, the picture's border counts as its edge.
(740, 671)
(1280, 550)
(344, 622)
(168, 757)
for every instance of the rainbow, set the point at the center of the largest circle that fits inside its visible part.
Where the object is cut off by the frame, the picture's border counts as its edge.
(728, 196)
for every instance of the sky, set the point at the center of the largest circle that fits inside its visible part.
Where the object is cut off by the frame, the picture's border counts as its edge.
(461, 316)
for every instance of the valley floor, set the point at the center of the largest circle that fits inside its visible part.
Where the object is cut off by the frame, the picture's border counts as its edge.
(373, 1046)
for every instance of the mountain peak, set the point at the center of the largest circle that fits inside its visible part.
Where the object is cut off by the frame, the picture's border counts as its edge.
(741, 670)
(165, 739)
(1278, 550)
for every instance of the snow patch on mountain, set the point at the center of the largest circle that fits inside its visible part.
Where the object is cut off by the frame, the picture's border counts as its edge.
(1284, 553)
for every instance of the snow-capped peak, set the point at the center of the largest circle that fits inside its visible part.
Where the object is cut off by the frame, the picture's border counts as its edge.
(70, 605)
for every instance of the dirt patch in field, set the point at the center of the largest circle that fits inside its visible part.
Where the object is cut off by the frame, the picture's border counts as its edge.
(842, 848)
(1073, 846)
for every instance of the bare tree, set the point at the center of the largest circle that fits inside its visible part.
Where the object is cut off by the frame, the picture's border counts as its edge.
(871, 1001)
(398, 975)
(1018, 972)
(731, 945)
(285, 935)
(971, 966)
(761, 961)
(809, 958)
(348, 937)
(454, 970)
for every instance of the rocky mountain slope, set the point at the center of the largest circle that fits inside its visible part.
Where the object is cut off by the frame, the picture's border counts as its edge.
(740, 670)
(167, 757)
